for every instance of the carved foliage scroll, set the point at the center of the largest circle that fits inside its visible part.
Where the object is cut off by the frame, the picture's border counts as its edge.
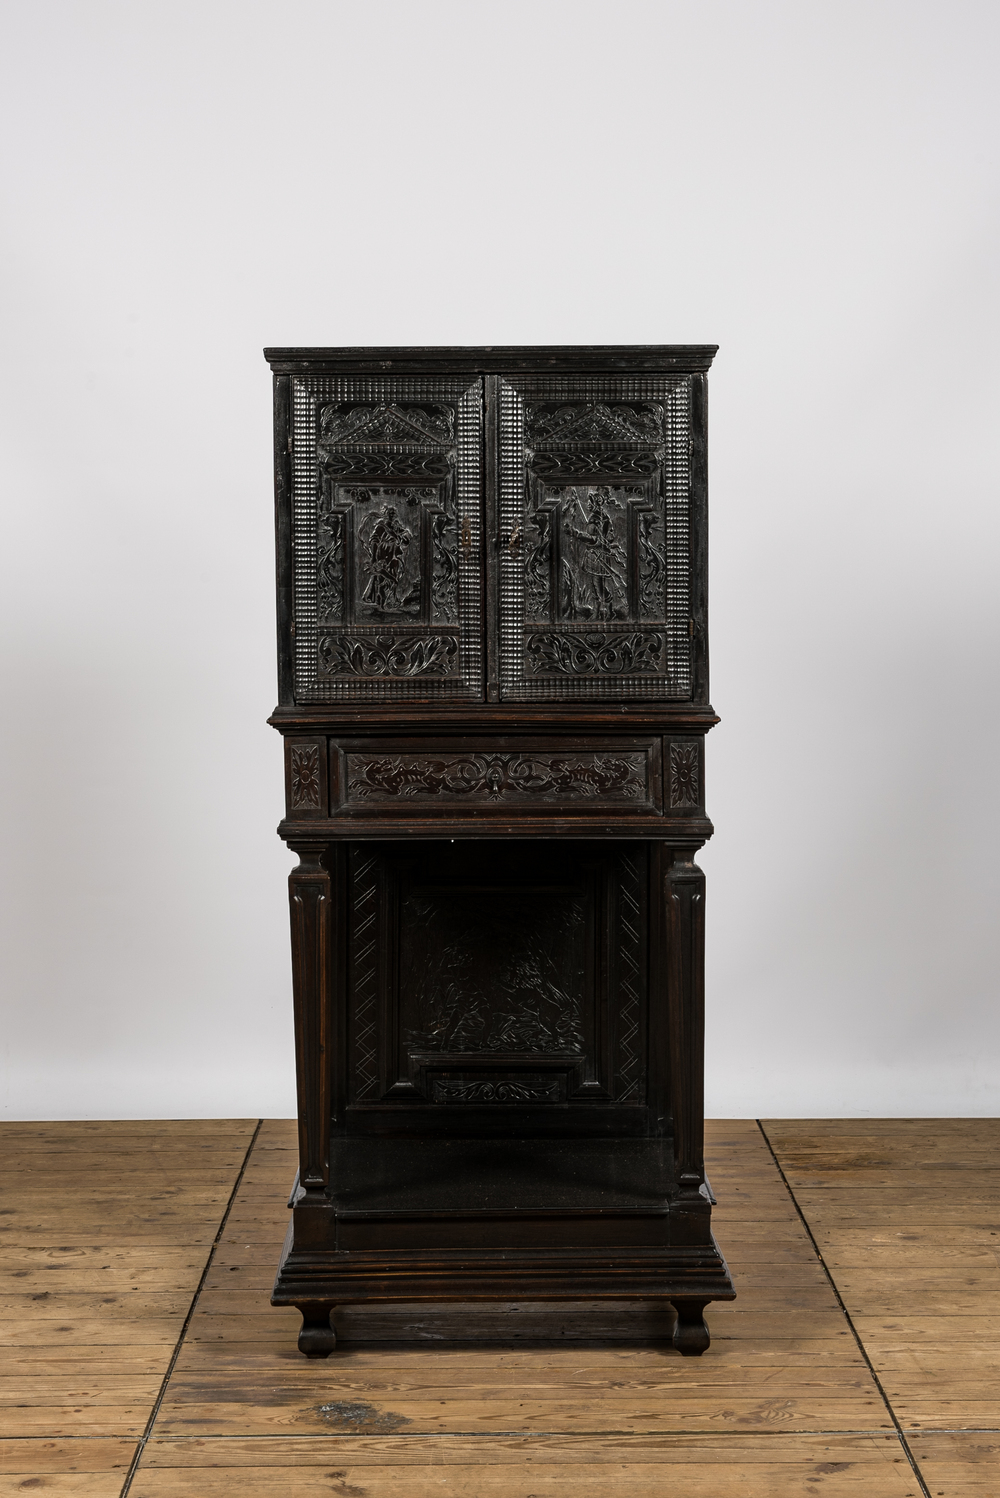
(498, 777)
(503, 1090)
(365, 656)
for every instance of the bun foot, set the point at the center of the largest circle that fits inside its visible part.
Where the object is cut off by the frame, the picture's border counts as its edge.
(317, 1339)
(690, 1332)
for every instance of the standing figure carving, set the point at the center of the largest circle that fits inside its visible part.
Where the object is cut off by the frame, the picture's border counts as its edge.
(387, 545)
(603, 563)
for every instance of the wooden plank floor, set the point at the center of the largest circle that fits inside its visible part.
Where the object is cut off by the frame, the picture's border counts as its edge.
(141, 1355)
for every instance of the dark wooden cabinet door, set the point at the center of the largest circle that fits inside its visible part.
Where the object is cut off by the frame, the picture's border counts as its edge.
(597, 482)
(387, 538)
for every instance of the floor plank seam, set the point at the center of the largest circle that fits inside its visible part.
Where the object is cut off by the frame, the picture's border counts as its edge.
(563, 1435)
(862, 1349)
(150, 1423)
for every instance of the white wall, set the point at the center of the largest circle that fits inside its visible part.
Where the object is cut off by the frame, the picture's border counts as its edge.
(812, 186)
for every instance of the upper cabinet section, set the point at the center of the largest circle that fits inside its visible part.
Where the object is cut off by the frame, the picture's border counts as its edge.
(491, 525)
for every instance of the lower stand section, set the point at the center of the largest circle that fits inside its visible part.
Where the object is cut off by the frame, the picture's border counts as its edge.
(691, 1336)
(317, 1339)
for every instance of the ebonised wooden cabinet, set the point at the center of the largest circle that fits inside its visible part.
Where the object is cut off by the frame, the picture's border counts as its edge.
(494, 696)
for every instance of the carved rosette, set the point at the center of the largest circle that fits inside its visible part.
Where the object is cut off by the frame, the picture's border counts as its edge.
(304, 777)
(499, 777)
(684, 775)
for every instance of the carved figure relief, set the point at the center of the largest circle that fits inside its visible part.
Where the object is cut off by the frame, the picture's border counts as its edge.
(383, 544)
(595, 579)
(304, 777)
(497, 777)
(577, 563)
(496, 973)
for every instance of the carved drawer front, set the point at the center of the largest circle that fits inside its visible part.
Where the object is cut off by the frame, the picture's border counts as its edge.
(541, 778)
(520, 979)
(386, 537)
(595, 481)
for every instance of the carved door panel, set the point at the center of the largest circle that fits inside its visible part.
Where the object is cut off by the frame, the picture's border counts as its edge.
(386, 538)
(595, 484)
(512, 978)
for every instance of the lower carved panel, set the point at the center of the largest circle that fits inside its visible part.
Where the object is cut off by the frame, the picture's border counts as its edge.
(491, 974)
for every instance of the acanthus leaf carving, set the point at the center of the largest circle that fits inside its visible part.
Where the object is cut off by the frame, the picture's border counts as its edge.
(444, 567)
(582, 653)
(387, 655)
(652, 565)
(330, 565)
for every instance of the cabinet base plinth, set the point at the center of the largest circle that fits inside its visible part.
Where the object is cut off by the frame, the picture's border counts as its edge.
(392, 1292)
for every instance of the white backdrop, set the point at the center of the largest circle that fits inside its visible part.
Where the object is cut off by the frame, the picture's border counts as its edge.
(814, 187)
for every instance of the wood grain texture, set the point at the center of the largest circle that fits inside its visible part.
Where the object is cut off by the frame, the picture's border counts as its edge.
(532, 1402)
(89, 1320)
(906, 1214)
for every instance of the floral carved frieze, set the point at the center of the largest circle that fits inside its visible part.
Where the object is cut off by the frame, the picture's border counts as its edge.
(303, 777)
(502, 1091)
(499, 777)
